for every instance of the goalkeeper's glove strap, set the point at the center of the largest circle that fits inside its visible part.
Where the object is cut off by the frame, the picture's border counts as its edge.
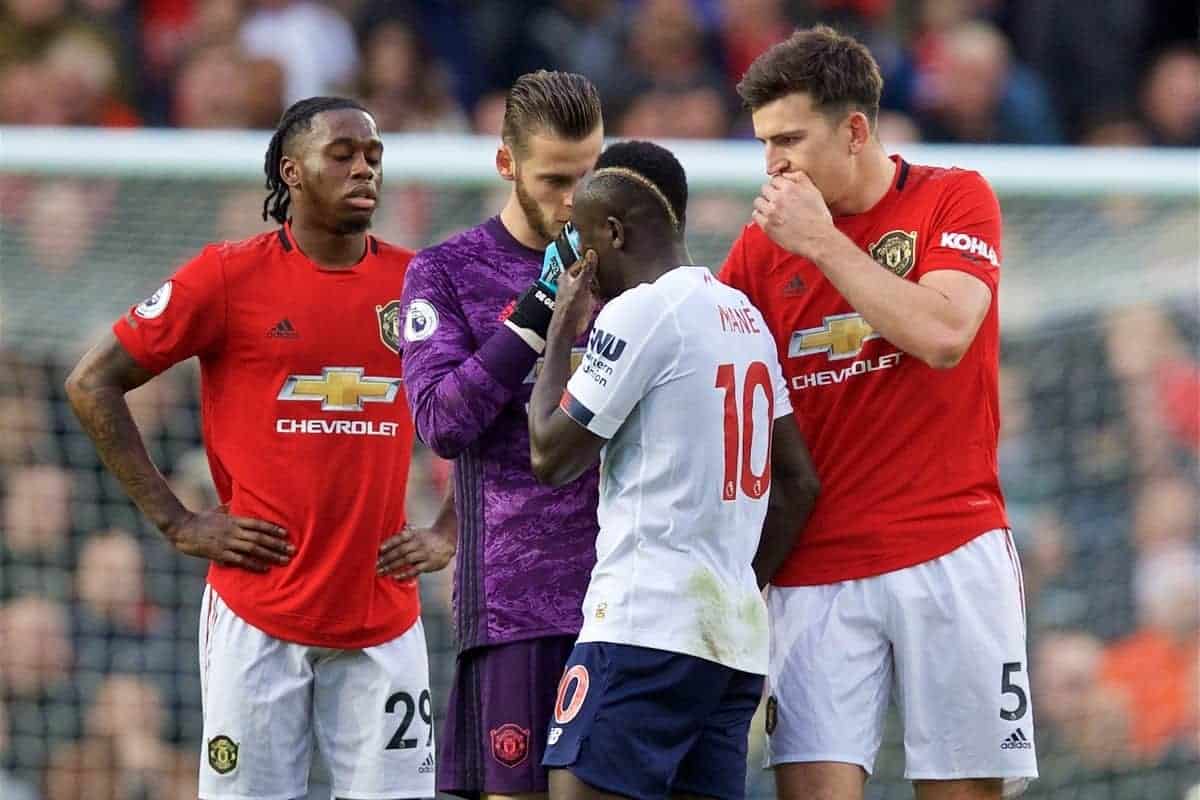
(530, 317)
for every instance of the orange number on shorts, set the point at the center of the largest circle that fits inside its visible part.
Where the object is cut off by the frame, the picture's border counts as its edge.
(579, 674)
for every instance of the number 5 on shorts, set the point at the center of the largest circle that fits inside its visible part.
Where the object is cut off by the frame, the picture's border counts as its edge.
(1008, 687)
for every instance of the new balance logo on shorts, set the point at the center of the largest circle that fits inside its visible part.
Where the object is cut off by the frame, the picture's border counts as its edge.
(426, 765)
(1016, 741)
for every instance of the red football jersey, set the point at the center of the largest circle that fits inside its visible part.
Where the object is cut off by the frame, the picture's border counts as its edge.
(906, 453)
(305, 424)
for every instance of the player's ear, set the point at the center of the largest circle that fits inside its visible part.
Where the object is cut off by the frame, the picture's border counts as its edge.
(289, 170)
(860, 132)
(506, 165)
(616, 232)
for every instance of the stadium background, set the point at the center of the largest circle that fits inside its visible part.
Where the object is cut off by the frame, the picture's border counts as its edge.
(1100, 385)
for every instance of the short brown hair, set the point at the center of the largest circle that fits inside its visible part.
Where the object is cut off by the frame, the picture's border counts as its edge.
(835, 70)
(564, 104)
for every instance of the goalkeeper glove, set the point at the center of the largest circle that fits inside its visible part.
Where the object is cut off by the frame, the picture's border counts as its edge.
(530, 317)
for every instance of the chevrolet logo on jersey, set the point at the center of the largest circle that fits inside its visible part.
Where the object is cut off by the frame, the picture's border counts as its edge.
(841, 336)
(340, 388)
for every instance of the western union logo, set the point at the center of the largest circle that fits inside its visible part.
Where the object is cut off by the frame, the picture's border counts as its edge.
(340, 388)
(841, 336)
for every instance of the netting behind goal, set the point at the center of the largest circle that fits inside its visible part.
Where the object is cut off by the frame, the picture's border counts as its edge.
(1100, 394)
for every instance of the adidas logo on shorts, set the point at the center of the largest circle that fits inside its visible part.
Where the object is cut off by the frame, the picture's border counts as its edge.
(1016, 741)
(427, 765)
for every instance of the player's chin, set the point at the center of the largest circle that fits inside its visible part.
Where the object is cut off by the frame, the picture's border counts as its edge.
(355, 222)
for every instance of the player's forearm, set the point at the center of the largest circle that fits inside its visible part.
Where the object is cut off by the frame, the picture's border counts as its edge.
(104, 415)
(789, 506)
(447, 517)
(454, 409)
(780, 529)
(918, 319)
(550, 430)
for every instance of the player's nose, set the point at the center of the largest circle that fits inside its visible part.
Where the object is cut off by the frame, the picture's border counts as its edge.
(776, 162)
(360, 168)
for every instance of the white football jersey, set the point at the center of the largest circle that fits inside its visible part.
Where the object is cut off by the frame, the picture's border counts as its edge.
(682, 377)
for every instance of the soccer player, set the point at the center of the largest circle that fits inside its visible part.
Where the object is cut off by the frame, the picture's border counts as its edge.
(878, 279)
(681, 397)
(475, 312)
(308, 436)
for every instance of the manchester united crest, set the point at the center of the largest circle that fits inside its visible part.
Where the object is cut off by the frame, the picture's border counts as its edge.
(510, 744)
(896, 251)
(222, 754)
(389, 325)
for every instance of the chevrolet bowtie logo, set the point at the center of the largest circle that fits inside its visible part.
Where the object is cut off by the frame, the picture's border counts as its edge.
(340, 388)
(841, 336)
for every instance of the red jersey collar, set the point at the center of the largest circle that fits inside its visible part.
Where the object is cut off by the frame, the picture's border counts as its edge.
(287, 241)
(899, 179)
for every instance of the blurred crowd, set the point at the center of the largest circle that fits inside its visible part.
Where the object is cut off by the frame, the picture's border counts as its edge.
(1106, 72)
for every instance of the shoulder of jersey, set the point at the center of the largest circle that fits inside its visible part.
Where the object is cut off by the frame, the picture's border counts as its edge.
(921, 176)
(642, 296)
(255, 246)
(453, 249)
(249, 253)
(395, 251)
(643, 292)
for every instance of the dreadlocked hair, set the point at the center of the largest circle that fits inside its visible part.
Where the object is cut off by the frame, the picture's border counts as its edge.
(296, 120)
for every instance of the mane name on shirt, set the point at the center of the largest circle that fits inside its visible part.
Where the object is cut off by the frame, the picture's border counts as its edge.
(737, 320)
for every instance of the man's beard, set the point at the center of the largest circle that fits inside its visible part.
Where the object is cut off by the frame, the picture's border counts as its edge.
(533, 213)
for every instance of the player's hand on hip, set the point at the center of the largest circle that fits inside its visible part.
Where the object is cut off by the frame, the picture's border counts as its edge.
(245, 542)
(792, 212)
(416, 550)
(576, 301)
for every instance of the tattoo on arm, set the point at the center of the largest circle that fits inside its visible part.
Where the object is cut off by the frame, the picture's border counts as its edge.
(96, 389)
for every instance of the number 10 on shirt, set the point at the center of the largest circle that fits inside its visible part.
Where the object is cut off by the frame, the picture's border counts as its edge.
(739, 433)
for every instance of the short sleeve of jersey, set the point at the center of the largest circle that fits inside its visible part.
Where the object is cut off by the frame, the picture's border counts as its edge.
(184, 318)
(783, 400)
(965, 234)
(633, 347)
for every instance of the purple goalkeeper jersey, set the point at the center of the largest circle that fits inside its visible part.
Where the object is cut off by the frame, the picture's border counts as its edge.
(525, 551)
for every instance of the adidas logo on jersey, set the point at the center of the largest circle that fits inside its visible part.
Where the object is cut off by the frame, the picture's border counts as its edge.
(795, 287)
(1016, 741)
(426, 765)
(283, 330)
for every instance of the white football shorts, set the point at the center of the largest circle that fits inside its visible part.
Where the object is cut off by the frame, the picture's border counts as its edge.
(945, 638)
(267, 702)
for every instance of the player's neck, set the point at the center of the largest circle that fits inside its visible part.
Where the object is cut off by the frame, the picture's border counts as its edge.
(875, 174)
(513, 218)
(328, 249)
(658, 265)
